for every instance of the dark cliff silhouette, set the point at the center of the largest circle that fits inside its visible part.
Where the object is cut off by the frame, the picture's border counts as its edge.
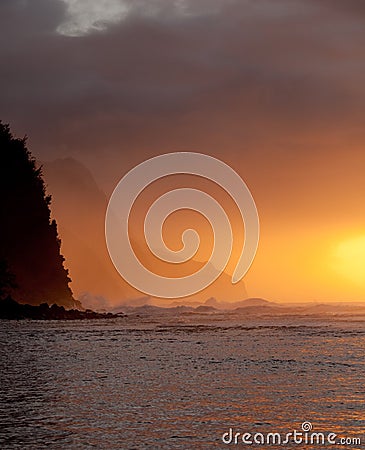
(31, 265)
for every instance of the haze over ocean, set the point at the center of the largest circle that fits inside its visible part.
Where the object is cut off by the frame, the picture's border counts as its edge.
(182, 224)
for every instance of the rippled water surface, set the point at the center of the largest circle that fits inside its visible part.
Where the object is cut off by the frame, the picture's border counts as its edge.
(130, 384)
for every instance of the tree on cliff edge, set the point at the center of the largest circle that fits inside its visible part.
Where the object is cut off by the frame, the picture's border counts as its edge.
(31, 264)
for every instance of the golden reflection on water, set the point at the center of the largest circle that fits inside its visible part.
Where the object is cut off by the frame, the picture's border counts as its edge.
(131, 384)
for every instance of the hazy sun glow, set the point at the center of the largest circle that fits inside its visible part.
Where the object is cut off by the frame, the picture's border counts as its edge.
(350, 259)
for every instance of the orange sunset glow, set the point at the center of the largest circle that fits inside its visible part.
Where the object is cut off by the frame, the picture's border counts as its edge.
(311, 224)
(291, 125)
(182, 224)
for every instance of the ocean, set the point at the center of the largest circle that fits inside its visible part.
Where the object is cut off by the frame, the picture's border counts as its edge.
(197, 382)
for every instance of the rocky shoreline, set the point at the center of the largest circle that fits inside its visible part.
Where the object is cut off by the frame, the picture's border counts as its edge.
(12, 310)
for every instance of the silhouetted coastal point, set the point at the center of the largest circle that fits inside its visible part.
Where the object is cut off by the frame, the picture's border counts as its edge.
(12, 310)
(31, 263)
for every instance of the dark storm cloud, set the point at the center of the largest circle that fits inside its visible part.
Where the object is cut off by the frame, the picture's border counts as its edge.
(283, 61)
(274, 88)
(354, 7)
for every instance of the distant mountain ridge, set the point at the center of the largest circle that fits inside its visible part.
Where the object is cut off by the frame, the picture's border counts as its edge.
(79, 205)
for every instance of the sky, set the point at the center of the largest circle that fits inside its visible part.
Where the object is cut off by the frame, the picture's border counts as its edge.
(273, 88)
